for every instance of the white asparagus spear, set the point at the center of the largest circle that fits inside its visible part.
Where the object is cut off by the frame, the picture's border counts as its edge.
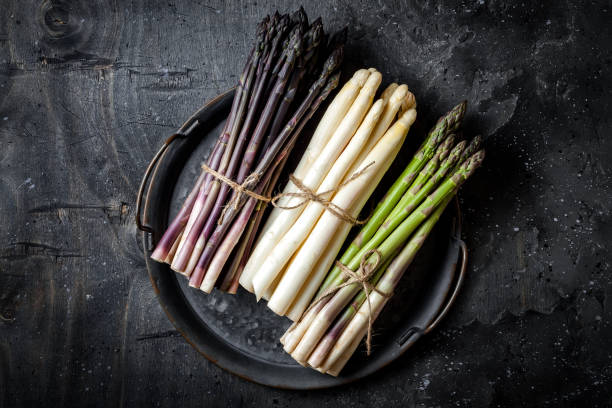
(325, 129)
(288, 245)
(303, 262)
(318, 170)
(268, 293)
(394, 100)
(335, 127)
(393, 105)
(292, 336)
(195, 256)
(309, 288)
(408, 103)
(386, 94)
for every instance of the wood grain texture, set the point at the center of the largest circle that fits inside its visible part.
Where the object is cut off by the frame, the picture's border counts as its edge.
(90, 89)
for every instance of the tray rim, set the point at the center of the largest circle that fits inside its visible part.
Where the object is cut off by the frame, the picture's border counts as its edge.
(150, 176)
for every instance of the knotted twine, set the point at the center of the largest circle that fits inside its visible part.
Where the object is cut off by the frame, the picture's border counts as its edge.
(304, 192)
(362, 277)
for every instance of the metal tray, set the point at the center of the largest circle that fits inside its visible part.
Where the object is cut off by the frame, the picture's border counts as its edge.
(242, 336)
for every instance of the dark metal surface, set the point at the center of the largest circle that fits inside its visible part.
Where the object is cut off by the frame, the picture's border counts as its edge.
(241, 336)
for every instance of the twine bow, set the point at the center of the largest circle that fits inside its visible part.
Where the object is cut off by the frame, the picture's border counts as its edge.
(304, 192)
(361, 276)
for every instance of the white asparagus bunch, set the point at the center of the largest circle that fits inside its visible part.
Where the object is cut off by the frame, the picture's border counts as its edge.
(356, 135)
(394, 96)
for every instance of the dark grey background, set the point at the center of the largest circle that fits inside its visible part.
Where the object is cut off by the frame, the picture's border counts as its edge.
(89, 90)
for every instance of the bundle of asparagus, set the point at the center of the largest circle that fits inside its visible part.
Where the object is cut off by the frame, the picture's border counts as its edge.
(351, 149)
(342, 312)
(291, 69)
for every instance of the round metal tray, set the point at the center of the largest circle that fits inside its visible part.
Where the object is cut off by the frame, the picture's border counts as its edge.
(241, 335)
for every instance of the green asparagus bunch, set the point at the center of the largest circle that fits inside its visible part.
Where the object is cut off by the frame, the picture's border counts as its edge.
(332, 327)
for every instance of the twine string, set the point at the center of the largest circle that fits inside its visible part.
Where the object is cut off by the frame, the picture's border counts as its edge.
(306, 193)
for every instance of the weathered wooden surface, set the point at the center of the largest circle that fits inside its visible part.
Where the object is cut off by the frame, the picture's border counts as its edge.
(90, 89)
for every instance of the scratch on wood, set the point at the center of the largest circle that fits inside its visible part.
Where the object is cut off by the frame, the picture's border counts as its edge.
(115, 212)
(22, 250)
(160, 335)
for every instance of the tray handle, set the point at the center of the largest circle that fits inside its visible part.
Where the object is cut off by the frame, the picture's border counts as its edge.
(140, 224)
(417, 331)
(458, 284)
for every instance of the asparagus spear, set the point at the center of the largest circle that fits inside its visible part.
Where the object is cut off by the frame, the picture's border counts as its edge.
(300, 17)
(230, 281)
(167, 240)
(174, 231)
(188, 258)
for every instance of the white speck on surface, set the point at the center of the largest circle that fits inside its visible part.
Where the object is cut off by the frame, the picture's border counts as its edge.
(5, 118)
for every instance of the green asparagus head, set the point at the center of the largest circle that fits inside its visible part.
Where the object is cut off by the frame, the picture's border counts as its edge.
(445, 147)
(468, 167)
(455, 116)
(473, 146)
(454, 155)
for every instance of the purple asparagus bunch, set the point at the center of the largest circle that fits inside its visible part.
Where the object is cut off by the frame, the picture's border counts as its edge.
(290, 71)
